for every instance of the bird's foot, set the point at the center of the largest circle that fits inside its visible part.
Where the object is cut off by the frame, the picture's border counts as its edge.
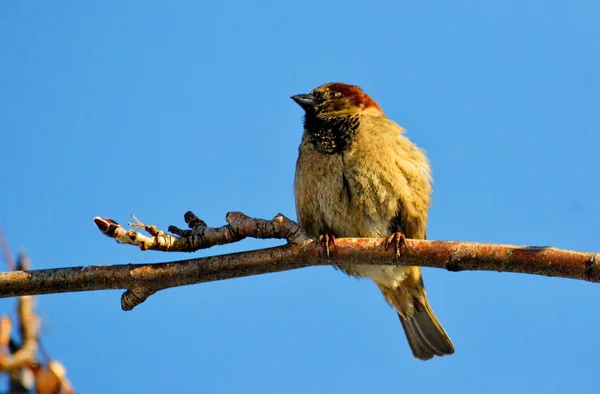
(328, 241)
(399, 241)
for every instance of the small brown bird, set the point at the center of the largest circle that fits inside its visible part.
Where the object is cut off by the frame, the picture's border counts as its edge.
(357, 175)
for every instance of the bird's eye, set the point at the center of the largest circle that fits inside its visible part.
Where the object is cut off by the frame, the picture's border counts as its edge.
(337, 94)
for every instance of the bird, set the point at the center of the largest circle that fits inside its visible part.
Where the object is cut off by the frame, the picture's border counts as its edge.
(358, 175)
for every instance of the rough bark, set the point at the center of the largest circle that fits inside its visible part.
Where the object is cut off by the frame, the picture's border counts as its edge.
(143, 280)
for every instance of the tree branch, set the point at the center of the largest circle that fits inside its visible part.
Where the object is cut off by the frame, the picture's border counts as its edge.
(10, 262)
(142, 280)
(19, 358)
(23, 355)
(201, 236)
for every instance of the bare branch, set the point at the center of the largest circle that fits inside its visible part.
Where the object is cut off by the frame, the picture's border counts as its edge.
(142, 280)
(29, 323)
(10, 262)
(201, 236)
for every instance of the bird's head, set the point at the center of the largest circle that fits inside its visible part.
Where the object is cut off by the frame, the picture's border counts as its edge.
(337, 99)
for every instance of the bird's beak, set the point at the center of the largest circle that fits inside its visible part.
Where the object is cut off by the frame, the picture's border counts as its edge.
(306, 101)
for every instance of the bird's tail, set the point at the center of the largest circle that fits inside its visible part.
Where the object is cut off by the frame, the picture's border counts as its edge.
(424, 333)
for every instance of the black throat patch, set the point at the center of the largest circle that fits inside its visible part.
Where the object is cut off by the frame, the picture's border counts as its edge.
(331, 135)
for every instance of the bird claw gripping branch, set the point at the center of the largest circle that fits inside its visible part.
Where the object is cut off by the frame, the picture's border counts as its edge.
(399, 241)
(328, 241)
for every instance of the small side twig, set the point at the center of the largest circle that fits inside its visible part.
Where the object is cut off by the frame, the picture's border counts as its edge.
(201, 236)
(29, 323)
(20, 359)
(8, 258)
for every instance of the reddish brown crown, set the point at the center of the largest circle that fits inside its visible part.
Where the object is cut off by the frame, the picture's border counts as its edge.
(352, 91)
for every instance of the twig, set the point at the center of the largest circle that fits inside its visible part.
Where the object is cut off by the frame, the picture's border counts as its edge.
(142, 280)
(29, 324)
(201, 236)
(10, 262)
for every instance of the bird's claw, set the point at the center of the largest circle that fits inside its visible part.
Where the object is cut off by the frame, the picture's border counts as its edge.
(399, 241)
(328, 241)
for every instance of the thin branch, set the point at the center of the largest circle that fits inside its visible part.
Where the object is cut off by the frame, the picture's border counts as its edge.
(142, 280)
(29, 323)
(201, 236)
(10, 262)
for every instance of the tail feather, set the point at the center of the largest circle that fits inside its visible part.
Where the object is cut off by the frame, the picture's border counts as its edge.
(418, 345)
(424, 333)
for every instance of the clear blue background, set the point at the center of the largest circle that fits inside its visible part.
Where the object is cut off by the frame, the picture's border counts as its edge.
(151, 108)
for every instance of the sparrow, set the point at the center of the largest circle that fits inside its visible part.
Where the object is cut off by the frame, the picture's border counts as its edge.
(358, 175)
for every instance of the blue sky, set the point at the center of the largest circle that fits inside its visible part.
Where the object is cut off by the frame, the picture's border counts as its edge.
(151, 108)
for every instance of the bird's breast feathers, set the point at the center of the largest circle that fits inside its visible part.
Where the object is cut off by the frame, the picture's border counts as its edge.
(360, 190)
